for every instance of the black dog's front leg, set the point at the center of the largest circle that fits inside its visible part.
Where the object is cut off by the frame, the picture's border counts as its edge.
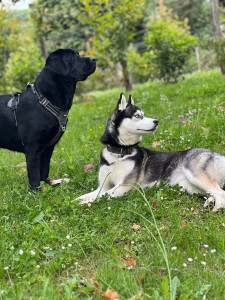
(45, 164)
(33, 166)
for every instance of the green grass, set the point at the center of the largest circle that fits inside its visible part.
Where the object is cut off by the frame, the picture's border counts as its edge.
(76, 245)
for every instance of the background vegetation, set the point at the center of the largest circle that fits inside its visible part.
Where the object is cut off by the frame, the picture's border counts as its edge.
(133, 40)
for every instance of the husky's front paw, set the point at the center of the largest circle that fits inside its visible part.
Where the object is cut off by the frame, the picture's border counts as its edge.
(209, 202)
(83, 199)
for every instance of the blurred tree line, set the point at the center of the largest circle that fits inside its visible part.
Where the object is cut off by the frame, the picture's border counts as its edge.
(133, 40)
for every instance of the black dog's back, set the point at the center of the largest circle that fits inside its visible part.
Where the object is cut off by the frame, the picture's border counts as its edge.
(8, 130)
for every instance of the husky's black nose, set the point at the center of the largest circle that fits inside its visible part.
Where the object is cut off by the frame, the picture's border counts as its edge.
(93, 59)
(156, 122)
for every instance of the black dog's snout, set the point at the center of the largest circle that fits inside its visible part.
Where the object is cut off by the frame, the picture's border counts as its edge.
(156, 122)
(93, 59)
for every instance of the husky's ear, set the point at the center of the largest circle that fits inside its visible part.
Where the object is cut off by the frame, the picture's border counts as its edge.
(122, 103)
(131, 100)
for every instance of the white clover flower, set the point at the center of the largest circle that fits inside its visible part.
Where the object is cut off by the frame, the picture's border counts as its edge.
(32, 252)
(174, 248)
(63, 247)
(190, 259)
(21, 252)
(184, 265)
(203, 263)
(109, 208)
(70, 245)
(206, 246)
(68, 236)
(213, 250)
(6, 268)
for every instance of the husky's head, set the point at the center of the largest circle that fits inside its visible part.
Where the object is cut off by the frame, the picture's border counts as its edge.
(127, 124)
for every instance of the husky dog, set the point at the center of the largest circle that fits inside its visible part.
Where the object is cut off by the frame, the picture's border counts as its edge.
(124, 164)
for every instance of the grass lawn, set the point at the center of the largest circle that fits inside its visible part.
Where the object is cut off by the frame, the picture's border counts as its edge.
(156, 244)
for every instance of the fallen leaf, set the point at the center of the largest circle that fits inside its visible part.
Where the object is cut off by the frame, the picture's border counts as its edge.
(89, 167)
(220, 108)
(183, 225)
(155, 144)
(21, 165)
(129, 261)
(154, 204)
(58, 181)
(136, 226)
(162, 227)
(139, 294)
(98, 285)
(182, 119)
(111, 295)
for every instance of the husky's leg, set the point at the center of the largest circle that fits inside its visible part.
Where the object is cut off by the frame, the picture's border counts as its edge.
(209, 201)
(209, 186)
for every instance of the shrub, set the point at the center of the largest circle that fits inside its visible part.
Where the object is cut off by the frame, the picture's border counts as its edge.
(170, 43)
(24, 64)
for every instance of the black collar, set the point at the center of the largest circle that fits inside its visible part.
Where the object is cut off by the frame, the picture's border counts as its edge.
(123, 150)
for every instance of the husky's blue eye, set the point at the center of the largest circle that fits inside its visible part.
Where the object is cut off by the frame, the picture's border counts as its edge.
(137, 116)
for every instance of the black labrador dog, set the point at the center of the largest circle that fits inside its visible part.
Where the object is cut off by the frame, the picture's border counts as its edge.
(33, 121)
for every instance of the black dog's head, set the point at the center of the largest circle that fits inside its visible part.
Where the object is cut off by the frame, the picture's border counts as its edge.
(69, 63)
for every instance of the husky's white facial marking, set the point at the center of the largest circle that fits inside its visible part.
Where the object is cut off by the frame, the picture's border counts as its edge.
(132, 129)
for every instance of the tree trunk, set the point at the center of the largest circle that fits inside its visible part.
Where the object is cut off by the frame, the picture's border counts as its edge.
(43, 47)
(126, 75)
(217, 33)
(198, 57)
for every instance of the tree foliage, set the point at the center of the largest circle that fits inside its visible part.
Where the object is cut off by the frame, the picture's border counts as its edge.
(169, 44)
(113, 23)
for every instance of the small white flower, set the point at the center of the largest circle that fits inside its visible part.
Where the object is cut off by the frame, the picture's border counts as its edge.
(63, 247)
(68, 236)
(161, 198)
(32, 252)
(204, 297)
(70, 245)
(184, 265)
(206, 246)
(2, 292)
(109, 208)
(38, 266)
(203, 263)
(213, 250)
(76, 263)
(21, 252)
(190, 259)
(223, 224)
(174, 248)
(132, 242)
(12, 248)
(129, 268)
(89, 204)
(182, 138)
(46, 248)
(6, 268)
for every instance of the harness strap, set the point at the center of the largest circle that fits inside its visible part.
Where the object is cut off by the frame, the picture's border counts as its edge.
(60, 115)
(13, 103)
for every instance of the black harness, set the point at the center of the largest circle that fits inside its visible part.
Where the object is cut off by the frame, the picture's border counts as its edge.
(59, 114)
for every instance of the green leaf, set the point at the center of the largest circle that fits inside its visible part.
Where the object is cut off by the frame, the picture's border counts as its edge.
(165, 287)
(175, 285)
(38, 218)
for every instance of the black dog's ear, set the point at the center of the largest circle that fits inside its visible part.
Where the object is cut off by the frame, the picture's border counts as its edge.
(122, 103)
(131, 100)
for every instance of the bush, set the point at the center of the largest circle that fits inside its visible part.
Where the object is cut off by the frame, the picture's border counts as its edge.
(169, 42)
(24, 64)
